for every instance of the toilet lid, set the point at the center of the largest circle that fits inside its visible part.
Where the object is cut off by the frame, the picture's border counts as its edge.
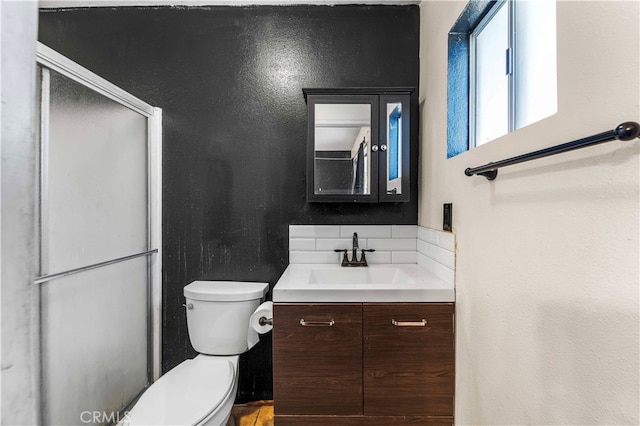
(225, 291)
(186, 394)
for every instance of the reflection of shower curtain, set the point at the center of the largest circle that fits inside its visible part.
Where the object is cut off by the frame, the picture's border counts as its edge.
(358, 170)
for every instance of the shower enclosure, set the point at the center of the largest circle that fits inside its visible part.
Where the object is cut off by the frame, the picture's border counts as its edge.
(99, 243)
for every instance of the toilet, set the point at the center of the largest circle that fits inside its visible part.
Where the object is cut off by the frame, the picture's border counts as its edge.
(201, 391)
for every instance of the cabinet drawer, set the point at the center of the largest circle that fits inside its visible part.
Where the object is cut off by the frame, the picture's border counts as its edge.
(317, 368)
(409, 366)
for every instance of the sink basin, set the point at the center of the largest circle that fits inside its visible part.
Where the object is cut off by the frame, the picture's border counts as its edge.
(309, 283)
(358, 275)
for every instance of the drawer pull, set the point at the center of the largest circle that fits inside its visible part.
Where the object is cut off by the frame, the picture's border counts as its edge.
(316, 323)
(421, 323)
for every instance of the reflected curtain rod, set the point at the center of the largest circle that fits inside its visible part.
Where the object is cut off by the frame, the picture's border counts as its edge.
(624, 132)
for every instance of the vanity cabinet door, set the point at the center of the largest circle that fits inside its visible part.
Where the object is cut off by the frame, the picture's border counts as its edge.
(408, 362)
(317, 359)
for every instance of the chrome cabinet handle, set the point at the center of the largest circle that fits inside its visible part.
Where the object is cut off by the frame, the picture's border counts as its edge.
(383, 147)
(316, 323)
(374, 148)
(421, 323)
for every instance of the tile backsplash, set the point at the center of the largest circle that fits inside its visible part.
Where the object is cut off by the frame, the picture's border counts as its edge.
(432, 249)
(437, 253)
(316, 243)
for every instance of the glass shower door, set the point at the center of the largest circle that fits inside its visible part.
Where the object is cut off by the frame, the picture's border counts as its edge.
(94, 253)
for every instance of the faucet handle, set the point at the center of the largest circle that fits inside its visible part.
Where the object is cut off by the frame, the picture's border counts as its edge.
(363, 259)
(345, 258)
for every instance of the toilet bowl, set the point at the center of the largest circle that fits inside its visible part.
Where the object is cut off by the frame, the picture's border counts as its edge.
(201, 391)
(198, 391)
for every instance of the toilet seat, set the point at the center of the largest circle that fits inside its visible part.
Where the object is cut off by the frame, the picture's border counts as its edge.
(186, 395)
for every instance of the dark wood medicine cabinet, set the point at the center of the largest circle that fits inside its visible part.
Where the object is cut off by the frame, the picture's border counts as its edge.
(358, 144)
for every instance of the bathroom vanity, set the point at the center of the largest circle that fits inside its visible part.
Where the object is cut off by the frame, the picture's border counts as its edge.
(349, 358)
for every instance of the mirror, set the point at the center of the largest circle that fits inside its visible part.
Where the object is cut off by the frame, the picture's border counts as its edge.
(342, 149)
(394, 147)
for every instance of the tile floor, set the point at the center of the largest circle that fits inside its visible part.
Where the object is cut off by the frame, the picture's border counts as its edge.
(259, 413)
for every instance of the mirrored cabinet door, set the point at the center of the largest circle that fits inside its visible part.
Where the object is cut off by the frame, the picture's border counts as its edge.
(341, 153)
(394, 146)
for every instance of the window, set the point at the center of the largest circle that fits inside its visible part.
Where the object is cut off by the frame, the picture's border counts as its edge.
(502, 70)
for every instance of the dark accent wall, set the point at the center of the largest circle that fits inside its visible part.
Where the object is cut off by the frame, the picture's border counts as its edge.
(229, 82)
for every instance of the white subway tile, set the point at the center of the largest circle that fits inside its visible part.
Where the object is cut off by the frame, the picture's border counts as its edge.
(447, 240)
(427, 234)
(443, 239)
(445, 274)
(366, 231)
(404, 231)
(314, 257)
(335, 243)
(302, 244)
(392, 243)
(440, 255)
(314, 231)
(404, 257)
(379, 257)
(423, 247)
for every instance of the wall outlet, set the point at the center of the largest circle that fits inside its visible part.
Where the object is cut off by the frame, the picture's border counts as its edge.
(447, 217)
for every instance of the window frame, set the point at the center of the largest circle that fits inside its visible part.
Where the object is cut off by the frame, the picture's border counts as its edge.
(458, 75)
(509, 65)
(461, 89)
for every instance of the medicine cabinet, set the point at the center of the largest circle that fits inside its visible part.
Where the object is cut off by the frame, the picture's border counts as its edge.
(358, 144)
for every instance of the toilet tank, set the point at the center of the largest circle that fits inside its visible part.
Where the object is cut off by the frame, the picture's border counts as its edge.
(218, 314)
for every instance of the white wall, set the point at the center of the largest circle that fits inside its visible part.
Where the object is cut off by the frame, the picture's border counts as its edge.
(547, 255)
(19, 315)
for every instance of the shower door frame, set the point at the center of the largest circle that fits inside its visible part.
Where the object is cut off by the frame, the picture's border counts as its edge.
(49, 59)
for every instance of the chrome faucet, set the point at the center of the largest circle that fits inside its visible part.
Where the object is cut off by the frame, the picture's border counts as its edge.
(354, 254)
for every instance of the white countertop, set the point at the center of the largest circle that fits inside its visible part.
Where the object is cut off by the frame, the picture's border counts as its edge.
(321, 283)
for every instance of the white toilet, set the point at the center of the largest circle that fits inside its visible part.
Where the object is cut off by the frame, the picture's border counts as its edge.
(201, 391)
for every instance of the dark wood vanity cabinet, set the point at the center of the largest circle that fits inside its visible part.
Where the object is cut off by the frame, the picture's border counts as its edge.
(376, 364)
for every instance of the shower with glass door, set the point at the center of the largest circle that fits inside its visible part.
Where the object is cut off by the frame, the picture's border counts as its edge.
(99, 243)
